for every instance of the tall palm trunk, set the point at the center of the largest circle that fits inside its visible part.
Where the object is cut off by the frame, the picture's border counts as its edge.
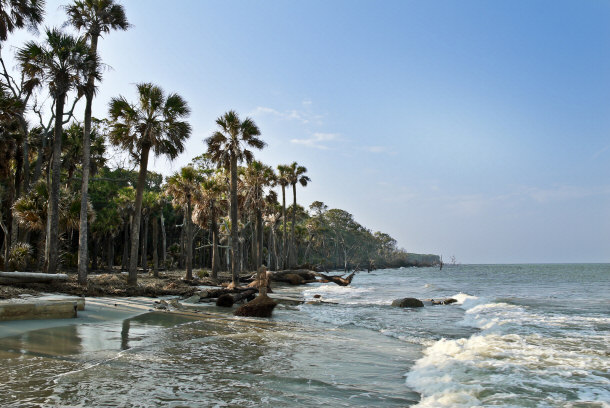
(145, 244)
(259, 238)
(235, 258)
(292, 257)
(83, 233)
(155, 244)
(53, 225)
(132, 280)
(189, 240)
(215, 254)
(284, 227)
(163, 241)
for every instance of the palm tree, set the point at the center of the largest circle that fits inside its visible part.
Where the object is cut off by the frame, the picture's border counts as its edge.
(257, 176)
(155, 123)
(295, 176)
(184, 189)
(62, 62)
(227, 148)
(93, 17)
(18, 14)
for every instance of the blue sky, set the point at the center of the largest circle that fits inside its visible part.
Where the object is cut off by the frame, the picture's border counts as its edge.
(470, 128)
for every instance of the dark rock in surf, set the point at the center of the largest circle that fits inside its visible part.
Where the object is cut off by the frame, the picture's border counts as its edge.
(225, 300)
(407, 302)
(261, 306)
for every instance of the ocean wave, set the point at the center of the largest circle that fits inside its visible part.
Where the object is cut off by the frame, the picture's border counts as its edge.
(519, 358)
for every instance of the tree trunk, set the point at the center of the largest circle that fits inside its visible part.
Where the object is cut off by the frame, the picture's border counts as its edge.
(155, 244)
(259, 238)
(163, 241)
(82, 238)
(189, 240)
(53, 213)
(132, 280)
(215, 254)
(292, 251)
(182, 259)
(145, 244)
(284, 227)
(235, 258)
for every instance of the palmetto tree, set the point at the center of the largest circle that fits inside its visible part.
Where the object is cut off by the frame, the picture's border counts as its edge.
(257, 176)
(16, 14)
(62, 61)
(93, 18)
(154, 124)
(183, 187)
(295, 175)
(228, 147)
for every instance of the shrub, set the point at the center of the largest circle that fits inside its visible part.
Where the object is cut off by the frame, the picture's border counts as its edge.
(19, 256)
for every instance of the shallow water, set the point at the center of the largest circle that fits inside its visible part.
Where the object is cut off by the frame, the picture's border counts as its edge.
(520, 335)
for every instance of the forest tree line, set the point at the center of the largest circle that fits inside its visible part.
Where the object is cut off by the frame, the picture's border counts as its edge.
(64, 206)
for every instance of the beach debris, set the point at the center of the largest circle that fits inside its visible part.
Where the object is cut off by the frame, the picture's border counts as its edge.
(317, 296)
(262, 305)
(31, 277)
(339, 280)
(225, 300)
(407, 302)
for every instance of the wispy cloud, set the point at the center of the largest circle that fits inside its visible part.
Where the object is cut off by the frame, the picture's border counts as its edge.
(318, 140)
(288, 115)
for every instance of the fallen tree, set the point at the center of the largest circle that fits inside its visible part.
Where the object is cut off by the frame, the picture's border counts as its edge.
(339, 280)
(31, 277)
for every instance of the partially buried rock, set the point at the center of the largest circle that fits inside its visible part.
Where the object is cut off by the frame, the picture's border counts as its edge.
(317, 296)
(261, 306)
(225, 300)
(408, 302)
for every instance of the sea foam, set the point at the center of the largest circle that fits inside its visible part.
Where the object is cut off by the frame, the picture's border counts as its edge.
(518, 358)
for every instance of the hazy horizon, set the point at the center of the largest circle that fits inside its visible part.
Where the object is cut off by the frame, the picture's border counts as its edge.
(479, 130)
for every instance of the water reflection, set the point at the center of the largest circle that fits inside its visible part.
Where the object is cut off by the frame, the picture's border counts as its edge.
(125, 334)
(160, 359)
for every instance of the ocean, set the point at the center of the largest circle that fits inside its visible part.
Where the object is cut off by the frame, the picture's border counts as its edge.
(518, 336)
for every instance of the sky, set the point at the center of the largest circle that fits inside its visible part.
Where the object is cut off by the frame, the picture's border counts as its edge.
(475, 129)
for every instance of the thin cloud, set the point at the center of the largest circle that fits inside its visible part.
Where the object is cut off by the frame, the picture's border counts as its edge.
(317, 140)
(286, 115)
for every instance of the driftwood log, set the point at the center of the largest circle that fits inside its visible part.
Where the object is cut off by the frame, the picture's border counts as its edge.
(31, 277)
(338, 279)
(294, 277)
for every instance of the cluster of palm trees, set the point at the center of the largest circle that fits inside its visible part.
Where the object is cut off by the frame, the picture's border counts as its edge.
(57, 191)
(67, 65)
